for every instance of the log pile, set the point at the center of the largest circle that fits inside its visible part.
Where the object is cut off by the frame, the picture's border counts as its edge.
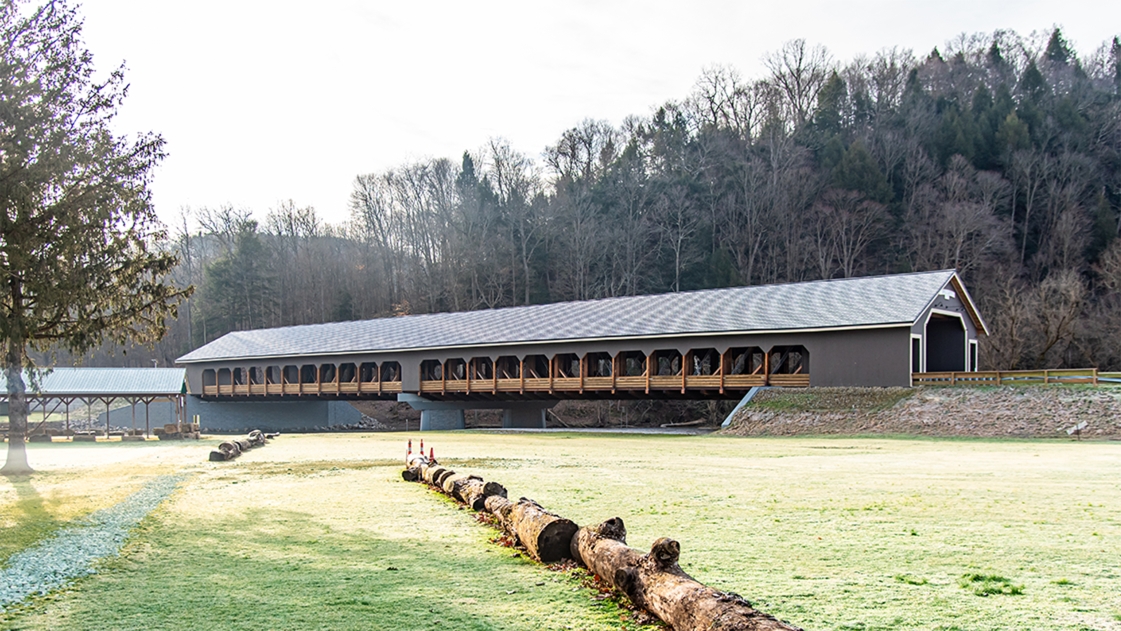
(231, 449)
(652, 581)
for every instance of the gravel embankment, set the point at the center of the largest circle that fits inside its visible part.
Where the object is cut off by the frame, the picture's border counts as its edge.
(72, 551)
(1009, 411)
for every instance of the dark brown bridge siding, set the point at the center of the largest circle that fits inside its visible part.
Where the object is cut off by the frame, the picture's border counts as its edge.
(858, 357)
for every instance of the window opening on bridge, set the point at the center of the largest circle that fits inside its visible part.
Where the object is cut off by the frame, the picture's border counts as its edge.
(667, 363)
(568, 366)
(256, 376)
(272, 375)
(456, 369)
(368, 372)
(431, 370)
(482, 368)
(327, 373)
(307, 373)
(291, 374)
(239, 376)
(790, 360)
(536, 367)
(348, 373)
(632, 364)
(745, 361)
(509, 367)
(224, 378)
(706, 361)
(599, 364)
(209, 378)
(390, 371)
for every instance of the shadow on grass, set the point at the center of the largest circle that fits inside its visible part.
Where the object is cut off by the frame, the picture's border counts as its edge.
(277, 569)
(32, 516)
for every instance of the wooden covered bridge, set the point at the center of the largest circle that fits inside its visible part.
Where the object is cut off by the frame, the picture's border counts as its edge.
(720, 343)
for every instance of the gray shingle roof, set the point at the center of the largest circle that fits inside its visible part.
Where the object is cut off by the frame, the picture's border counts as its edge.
(829, 304)
(105, 382)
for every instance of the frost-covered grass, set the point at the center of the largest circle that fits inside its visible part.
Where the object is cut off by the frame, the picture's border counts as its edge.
(828, 533)
(72, 551)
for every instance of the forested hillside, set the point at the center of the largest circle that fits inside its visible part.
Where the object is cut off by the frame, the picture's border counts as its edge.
(998, 155)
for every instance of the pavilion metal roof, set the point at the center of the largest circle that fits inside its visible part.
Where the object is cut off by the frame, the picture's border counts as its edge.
(873, 301)
(104, 382)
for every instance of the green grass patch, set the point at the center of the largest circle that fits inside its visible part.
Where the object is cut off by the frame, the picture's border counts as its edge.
(910, 579)
(990, 585)
(831, 399)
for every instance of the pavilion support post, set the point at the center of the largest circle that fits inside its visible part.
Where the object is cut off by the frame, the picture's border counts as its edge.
(649, 362)
(147, 421)
(67, 416)
(552, 371)
(582, 371)
(134, 416)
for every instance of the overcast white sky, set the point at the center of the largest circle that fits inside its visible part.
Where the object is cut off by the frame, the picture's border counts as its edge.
(266, 101)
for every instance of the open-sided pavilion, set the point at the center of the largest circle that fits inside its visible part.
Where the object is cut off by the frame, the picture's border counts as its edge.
(54, 390)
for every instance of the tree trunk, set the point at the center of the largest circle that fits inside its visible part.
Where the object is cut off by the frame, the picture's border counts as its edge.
(656, 583)
(546, 537)
(16, 463)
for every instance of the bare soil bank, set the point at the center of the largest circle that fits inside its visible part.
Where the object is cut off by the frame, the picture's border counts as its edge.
(1010, 411)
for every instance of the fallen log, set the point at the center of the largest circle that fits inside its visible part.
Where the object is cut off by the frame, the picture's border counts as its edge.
(546, 536)
(413, 463)
(474, 493)
(439, 480)
(655, 582)
(452, 483)
(431, 473)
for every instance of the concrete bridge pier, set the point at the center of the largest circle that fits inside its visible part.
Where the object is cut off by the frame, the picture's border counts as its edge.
(448, 415)
(524, 415)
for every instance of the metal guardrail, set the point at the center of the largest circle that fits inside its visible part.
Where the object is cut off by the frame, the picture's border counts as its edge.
(1015, 377)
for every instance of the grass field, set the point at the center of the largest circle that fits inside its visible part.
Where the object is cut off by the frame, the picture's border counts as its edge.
(319, 531)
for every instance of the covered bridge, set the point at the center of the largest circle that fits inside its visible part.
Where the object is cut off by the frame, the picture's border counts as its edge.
(872, 331)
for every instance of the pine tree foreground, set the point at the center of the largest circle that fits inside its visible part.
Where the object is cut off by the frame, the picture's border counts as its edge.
(78, 233)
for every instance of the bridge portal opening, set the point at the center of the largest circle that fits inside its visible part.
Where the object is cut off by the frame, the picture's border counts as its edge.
(667, 363)
(945, 344)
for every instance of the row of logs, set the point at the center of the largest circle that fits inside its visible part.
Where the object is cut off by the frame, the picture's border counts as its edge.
(653, 581)
(231, 449)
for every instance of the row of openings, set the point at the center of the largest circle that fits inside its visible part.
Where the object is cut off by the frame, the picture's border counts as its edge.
(783, 360)
(368, 372)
